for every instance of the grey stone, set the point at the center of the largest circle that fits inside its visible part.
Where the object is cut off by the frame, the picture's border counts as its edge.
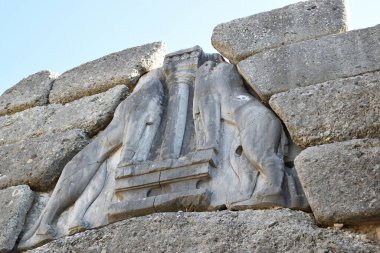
(40, 200)
(190, 200)
(135, 123)
(311, 62)
(179, 68)
(24, 125)
(124, 67)
(342, 181)
(132, 208)
(39, 161)
(276, 230)
(91, 114)
(220, 96)
(187, 138)
(29, 92)
(333, 111)
(15, 203)
(243, 37)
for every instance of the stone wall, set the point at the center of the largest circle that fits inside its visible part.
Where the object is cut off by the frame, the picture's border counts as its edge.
(324, 84)
(40, 135)
(321, 80)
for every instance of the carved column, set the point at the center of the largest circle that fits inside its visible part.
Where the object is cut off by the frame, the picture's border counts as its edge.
(180, 71)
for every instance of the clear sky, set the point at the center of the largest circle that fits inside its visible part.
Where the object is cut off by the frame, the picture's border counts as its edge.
(59, 35)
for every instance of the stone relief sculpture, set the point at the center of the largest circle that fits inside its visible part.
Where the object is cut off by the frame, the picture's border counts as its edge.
(221, 96)
(133, 127)
(190, 137)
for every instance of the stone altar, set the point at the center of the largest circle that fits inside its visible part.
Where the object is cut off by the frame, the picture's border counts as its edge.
(190, 137)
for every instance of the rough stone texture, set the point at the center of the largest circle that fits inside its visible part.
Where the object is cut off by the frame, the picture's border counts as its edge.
(38, 162)
(342, 181)
(29, 92)
(15, 203)
(333, 111)
(91, 113)
(241, 38)
(313, 61)
(124, 67)
(273, 230)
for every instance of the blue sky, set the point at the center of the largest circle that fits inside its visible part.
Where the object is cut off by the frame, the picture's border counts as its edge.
(59, 35)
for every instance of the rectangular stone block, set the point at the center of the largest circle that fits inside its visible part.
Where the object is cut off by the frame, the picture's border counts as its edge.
(91, 114)
(313, 61)
(342, 181)
(195, 200)
(124, 67)
(15, 203)
(243, 37)
(132, 208)
(333, 111)
(29, 92)
(38, 162)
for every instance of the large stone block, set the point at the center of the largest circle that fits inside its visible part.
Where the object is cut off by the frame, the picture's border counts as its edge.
(275, 230)
(241, 38)
(91, 114)
(342, 181)
(38, 162)
(15, 203)
(29, 92)
(333, 111)
(313, 61)
(124, 67)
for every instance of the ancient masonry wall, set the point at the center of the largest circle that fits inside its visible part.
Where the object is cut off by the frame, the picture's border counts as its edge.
(321, 80)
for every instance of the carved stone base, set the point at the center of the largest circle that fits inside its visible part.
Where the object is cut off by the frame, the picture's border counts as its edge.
(162, 186)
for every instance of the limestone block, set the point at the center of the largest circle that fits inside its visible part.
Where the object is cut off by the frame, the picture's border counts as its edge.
(15, 203)
(274, 230)
(91, 113)
(241, 38)
(29, 92)
(38, 162)
(124, 67)
(333, 111)
(313, 61)
(24, 125)
(342, 181)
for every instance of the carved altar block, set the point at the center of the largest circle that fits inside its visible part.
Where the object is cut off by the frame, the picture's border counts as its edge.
(167, 185)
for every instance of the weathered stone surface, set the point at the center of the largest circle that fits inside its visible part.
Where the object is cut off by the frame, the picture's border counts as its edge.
(241, 38)
(124, 67)
(220, 138)
(91, 113)
(38, 162)
(29, 92)
(313, 61)
(273, 230)
(15, 203)
(342, 181)
(333, 111)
